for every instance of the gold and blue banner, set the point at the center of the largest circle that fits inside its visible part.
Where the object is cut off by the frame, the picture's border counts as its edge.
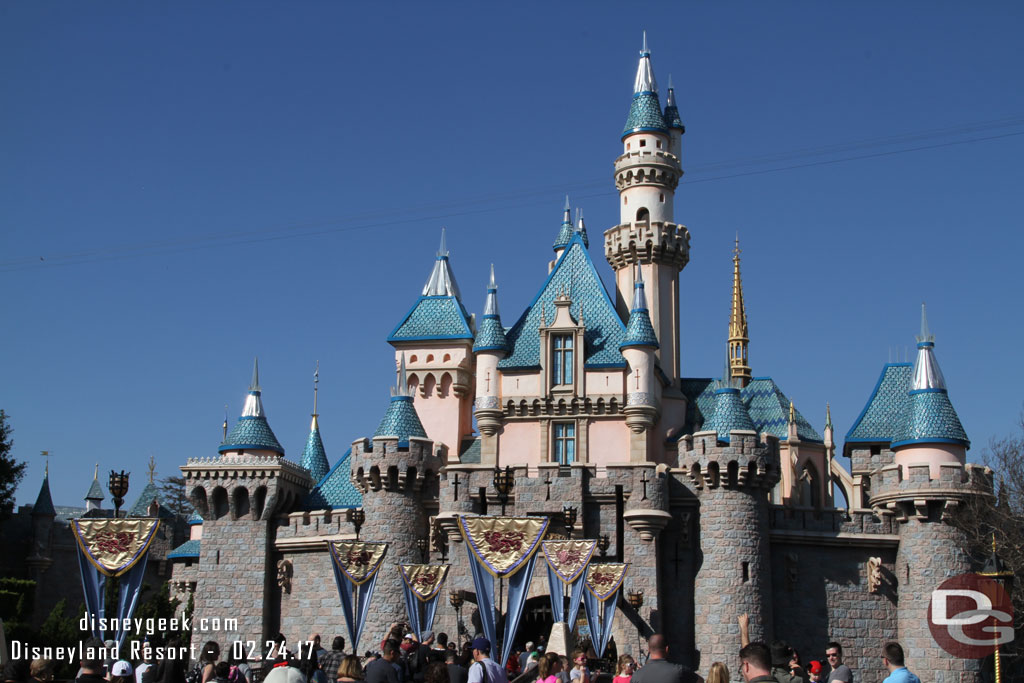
(567, 565)
(421, 585)
(604, 581)
(503, 545)
(356, 565)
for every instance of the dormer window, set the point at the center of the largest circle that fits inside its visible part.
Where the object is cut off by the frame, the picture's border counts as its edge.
(561, 359)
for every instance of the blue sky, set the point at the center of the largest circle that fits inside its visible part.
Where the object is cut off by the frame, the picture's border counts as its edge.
(186, 185)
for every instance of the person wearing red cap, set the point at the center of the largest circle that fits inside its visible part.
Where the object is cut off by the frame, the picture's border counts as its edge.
(814, 670)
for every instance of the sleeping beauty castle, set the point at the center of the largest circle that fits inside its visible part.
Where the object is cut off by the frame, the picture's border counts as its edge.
(717, 491)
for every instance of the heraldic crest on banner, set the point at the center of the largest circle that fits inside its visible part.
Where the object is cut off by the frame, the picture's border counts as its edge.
(424, 580)
(358, 560)
(568, 559)
(503, 544)
(113, 546)
(603, 580)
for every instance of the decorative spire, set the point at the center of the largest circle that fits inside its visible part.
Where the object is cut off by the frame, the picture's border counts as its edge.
(645, 111)
(253, 402)
(225, 425)
(441, 281)
(491, 335)
(581, 228)
(565, 231)
(671, 110)
(401, 421)
(738, 335)
(255, 384)
(828, 416)
(927, 374)
(639, 330)
(402, 388)
(152, 469)
(95, 490)
(252, 431)
(792, 413)
(314, 457)
(44, 502)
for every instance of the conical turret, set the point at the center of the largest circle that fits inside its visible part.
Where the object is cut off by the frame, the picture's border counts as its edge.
(639, 330)
(672, 118)
(252, 432)
(401, 421)
(565, 231)
(645, 109)
(314, 457)
(43, 506)
(491, 335)
(94, 498)
(728, 414)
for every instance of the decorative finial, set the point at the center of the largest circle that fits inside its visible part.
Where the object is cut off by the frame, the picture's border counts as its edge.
(316, 383)
(46, 454)
(670, 82)
(225, 425)
(567, 202)
(644, 50)
(925, 336)
(403, 383)
(727, 372)
(442, 251)
(96, 473)
(828, 416)
(492, 284)
(792, 413)
(736, 251)
(152, 468)
(255, 385)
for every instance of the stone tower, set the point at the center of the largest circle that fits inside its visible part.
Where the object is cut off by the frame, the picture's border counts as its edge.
(489, 348)
(396, 471)
(923, 488)
(238, 494)
(732, 471)
(436, 339)
(646, 176)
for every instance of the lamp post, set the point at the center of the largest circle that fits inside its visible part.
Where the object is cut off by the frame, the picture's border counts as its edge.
(455, 599)
(118, 487)
(421, 543)
(504, 482)
(357, 516)
(602, 544)
(569, 513)
(636, 601)
(997, 570)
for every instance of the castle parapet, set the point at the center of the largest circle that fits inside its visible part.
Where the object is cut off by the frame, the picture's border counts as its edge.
(665, 241)
(904, 490)
(385, 463)
(744, 462)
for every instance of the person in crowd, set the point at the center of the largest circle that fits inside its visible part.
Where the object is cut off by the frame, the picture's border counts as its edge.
(436, 672)
(382, 669)
(466, 658)
(795, 668)
(40, 671)
(482, 663)
(839, 671)
(222, 672)
(332, 660)
(782, 653)
(17, 670)
(110, 656)
(349, 669)
(893, 659)
(658, 669)
(208, 660)
(718, 673)
(756, 663)
(147, 660)
(241, 672)
(91, 663)
(814, 669)
(439, 651)
(580, 673)
(317, 648)
(624, 669)
(512, 666)
(456, 672)
(564, 669)
(395, 632)
(308, 664)
(525, 657)
(121, 672)
(419, 657)
(548, 667)
(285, 670)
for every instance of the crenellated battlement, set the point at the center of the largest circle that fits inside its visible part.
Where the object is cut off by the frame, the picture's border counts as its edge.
(745, 462)
(660, 241)
(385, 463)
(905, 490)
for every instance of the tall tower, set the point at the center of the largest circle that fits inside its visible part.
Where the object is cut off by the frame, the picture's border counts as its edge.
(739, 364)
(646, 175)
(489, 348)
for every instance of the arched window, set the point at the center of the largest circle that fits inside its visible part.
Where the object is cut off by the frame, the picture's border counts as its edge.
(810, 486)
(643, 215)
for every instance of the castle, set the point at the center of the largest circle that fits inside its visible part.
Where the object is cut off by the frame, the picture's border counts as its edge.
(717, 491)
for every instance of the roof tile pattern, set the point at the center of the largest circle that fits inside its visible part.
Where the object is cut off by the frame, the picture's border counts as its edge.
(469, 451)
(149, 494)
(672, 117)
(564, 235)
(575, 275)
(401, 421)
(251, 433)
(930, 417)
(95, 491)
(884, 412)
(491, 335)
(187, 550)
(728, 414)
(335, 491)
(433, 317)
(644, 114)
(767, 406)
(314, 457)
(639, 330)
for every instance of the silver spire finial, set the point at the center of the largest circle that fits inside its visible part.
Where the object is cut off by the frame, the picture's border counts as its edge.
(925, 337)
(442, 251)
(403, 383)
(255, 385)
(645, 50)
(492, 284)
(670, 82)
(567, 202)
(316, 386)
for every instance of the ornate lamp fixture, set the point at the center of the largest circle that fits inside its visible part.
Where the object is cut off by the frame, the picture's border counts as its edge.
(570, 514)
(357, 516)
(504, 482)
(602, 544)
(118, 487)
(455, 599)
(636, 601)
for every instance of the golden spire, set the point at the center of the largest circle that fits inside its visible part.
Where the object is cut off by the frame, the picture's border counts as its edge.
(792, 413)
(316, 383)
(738, 339)
(152, 468)
(96, 473)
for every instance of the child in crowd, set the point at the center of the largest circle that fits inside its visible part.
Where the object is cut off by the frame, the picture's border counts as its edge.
(625, 669)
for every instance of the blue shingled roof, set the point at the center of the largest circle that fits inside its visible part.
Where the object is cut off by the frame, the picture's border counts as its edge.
(564, 235)
(95, 491)
(767, 406)
(574, 274)
(639, 330)
(335, 491)
(644, 114)
(491, 335)
(727, 414)
(884, 412)
(433, 317)
(251, 433)
(314, 457)
(401, 421)
(930, 418)
(188, 550)
(469, 451)
(672, 117)
(141, 507)
(44, 502)
(196, 518)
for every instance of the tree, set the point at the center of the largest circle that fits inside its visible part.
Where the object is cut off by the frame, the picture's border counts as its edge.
(174, 496)
(11, 471)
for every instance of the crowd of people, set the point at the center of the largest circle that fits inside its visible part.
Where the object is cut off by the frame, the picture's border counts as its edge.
(405, 658)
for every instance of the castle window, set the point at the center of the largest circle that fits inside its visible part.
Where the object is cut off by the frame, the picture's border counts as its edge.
(659, 144)
(561, 359)
(661, 198)
(564, 442)
(643, 143)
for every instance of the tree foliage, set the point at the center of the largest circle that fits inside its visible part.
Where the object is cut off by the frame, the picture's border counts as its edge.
(174, 496)
(11, 471)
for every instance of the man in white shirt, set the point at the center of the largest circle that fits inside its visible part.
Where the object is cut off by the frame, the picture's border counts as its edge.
(484, 669)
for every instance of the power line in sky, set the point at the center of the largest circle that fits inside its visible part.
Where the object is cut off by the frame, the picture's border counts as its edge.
(497, 201)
